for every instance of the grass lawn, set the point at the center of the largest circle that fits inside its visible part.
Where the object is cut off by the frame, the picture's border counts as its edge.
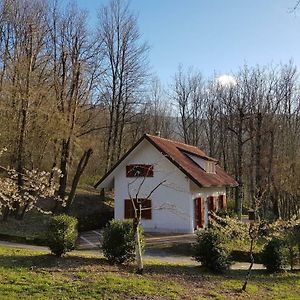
(33, 226)
(30, 274)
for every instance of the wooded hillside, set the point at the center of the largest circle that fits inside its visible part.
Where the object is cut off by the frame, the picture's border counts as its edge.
(72, 96)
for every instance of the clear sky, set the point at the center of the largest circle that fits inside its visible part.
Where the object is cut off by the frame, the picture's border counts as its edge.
(214, 36)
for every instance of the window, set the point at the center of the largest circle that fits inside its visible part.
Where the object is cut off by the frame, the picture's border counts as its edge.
(139, 170)
(210, 167)
(146, 208)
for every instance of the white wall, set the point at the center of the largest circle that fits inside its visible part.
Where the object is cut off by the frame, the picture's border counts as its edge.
(178, 212)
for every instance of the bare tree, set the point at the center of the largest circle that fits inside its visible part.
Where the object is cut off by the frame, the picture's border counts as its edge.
(125, 59)
(75, 62)
(189, 97)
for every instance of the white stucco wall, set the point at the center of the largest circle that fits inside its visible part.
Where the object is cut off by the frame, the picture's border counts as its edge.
(172, 203)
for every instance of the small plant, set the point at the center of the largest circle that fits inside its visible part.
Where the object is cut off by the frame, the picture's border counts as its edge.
(272, 255)
(210, 251)
(223, 213)
(119, 241)
(62, 234)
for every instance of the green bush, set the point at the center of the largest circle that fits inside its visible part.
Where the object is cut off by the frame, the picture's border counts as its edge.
(119, 241)
(272, 255)
(223, 213)
(210, 251)
(291, 249)
(62, 234)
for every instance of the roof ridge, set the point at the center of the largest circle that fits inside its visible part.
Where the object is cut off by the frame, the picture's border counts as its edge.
(176, 155)
(177, 142)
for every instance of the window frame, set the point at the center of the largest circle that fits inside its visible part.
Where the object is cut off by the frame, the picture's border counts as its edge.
(210, 167)
(146, 213)
(147, 170)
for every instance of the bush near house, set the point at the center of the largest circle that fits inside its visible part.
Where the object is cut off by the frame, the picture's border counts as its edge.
(62, 234)
(211, 252)
(119, 241)
(272, 255)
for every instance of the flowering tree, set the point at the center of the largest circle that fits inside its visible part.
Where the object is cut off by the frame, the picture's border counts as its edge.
(20, 199)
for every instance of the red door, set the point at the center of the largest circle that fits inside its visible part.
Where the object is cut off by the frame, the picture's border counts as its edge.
(199, 213)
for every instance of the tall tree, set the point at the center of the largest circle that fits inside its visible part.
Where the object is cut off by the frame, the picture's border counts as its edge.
(75, 60)
(125, 59)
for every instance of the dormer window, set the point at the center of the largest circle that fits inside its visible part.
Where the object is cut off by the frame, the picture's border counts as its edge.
(139, 170)
(210, 167)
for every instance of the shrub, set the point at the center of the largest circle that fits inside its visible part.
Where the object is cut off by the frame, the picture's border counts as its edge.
(291, 238)
(210, 251)
(119, 241)
(272, 255)
(62, 234)
(223, 213)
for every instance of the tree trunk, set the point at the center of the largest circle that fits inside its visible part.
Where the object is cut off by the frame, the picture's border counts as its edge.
(139, 258)
(64, 160)
(80, 168)
(239, 188)
(138, 248)
(250, 267)
(20, 156)
(258, 181)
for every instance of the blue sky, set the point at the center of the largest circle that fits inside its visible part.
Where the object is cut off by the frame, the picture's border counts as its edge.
(214, 36)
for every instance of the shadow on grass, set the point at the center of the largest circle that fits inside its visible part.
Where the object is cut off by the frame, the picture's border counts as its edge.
(17, 259)
(190, 273)
(48, 261)
(172, 249)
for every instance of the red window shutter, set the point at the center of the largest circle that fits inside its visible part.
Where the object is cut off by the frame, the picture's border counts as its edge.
(149, 171)
(212, 206)
(139, 170)
(129, 171)
(147, 209)
(202, 212)
(128, 209)
(222, 202)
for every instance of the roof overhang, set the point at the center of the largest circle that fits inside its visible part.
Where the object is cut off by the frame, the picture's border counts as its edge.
(107, 180)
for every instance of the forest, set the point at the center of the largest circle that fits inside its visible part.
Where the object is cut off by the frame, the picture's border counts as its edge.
(74, 99)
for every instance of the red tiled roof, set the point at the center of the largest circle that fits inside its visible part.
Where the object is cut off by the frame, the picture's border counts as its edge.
(175, 152)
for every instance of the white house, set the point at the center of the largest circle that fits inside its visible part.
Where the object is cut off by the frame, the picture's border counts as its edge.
(179, 183)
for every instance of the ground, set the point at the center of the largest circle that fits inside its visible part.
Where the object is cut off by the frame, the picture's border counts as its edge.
(27, 273)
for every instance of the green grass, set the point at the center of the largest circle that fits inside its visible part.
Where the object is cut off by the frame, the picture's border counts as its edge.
(33, 226)
(28, 274)
(25, 274)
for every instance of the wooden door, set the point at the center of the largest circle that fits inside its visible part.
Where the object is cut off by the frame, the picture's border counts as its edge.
(199, 213)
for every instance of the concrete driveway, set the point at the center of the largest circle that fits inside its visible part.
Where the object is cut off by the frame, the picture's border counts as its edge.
(89, 240)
